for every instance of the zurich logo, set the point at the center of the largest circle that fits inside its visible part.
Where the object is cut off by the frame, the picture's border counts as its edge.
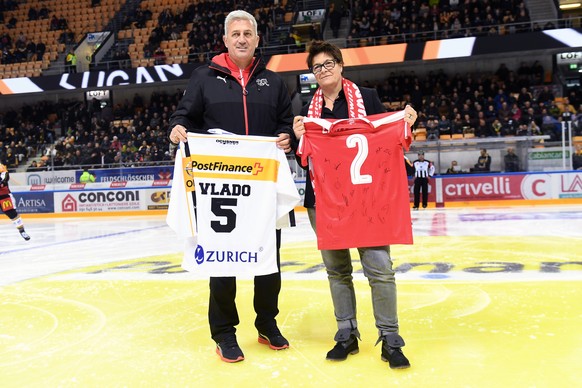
(199, 255)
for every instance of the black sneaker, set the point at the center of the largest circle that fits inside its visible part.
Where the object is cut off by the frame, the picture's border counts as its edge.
(392, 351)
(274, 339)
(229, 351)
(24, 234)
(342, 349)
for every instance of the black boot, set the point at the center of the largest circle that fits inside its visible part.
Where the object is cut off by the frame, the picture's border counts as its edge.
(346, 344)
(392, 353)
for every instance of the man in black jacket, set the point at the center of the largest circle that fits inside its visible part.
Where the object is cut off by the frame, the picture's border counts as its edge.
(236, 93)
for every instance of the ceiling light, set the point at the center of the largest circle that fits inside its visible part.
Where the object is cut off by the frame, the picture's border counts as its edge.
(570, 6)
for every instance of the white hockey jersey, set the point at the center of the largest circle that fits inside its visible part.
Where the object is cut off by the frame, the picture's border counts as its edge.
(242, 186)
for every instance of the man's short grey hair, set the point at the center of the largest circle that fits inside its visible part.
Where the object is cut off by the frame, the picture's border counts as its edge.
(239, 15)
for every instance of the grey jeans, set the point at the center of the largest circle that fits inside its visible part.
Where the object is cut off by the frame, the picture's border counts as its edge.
(377, 266)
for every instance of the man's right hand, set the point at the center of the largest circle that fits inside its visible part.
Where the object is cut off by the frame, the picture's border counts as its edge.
(178, 134)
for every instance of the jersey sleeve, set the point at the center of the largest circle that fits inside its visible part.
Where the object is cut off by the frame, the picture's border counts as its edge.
(303, 150)
(287, 194)
(406, 136)
(181, 217)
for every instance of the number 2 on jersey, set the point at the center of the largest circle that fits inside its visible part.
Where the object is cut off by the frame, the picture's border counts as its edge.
(361, 143)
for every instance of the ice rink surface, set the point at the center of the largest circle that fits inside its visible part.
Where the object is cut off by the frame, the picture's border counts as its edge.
(487, 297)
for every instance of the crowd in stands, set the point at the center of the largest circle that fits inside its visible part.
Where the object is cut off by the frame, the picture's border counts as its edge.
(423, 20)
(392, 19)
(134, 132)
(127, 134)
(22, 49)
(504, 103)
(207, 21)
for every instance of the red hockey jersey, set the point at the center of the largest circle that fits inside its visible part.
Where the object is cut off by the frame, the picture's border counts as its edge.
(360, 183)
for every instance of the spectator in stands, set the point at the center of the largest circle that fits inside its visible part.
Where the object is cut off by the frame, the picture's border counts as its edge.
(86, 176)
(30, 50)
(67, 37)
(159, 56)
(43, 13)
(63, 24)
(351, 42)
(279, 13)
(33, 167)
(54, 24)
(32, 13)
(335, 18)
(193, 54)
(567, 110)
(297, 39)
(11, 23)
(10, 158)
(538, 73)
(19, 52)
(577, 158)
(545, 95)
(40, 50)
(432, 129)
(444, 126)
(508, 127)
(454, 168)
(483, 162)
(71, 62)
(511, 160)
(314, 33)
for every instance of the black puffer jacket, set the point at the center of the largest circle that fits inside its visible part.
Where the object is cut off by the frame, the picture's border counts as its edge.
(214, 98)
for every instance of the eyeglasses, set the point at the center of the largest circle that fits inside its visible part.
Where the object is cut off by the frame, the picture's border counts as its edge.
(328, 65)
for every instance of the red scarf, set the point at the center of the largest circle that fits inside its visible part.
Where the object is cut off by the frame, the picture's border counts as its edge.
(354, 98)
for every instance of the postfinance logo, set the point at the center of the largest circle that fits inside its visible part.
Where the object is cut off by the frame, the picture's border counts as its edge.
(232, 167)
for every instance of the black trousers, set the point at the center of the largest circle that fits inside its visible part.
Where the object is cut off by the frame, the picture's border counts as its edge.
(222, 312)
(421, 184)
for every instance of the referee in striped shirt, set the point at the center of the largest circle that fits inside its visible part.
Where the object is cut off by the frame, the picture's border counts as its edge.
(423, 170)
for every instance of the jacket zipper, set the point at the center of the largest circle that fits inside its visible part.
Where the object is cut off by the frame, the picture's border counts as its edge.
(244, 93)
